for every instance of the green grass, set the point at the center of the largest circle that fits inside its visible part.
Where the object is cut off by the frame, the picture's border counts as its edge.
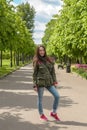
(6, 69)
(80, 71)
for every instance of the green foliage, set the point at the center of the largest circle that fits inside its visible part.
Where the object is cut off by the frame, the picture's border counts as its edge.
(6, 55)
(66, 34)
(80, 71)
(14, 34)
(6, 69)
(27, 13)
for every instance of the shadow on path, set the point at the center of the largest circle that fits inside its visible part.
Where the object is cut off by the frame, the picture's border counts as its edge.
(29, 100)
(17, 100)
(14, 122)
(64, 87)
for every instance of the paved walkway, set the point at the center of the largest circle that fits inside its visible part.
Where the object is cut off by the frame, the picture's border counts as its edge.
(18, 107)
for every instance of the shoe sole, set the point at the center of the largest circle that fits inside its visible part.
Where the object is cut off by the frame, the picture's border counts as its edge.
(53, 117)
(43, 119)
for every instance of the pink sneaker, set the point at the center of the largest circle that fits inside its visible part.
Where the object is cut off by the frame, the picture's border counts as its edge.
(55, 116)
(43, 117)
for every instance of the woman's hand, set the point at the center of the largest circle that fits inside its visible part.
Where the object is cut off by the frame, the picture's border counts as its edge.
(55, 84)
(35, 88)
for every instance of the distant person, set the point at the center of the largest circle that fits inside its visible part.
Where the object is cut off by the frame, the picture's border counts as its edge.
(44, 77)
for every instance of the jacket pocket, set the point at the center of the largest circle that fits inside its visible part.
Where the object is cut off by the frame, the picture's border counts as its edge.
(48, 80)
(41, 69)
(41, 81)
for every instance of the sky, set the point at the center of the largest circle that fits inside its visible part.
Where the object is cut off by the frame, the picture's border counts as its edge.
(45, 9)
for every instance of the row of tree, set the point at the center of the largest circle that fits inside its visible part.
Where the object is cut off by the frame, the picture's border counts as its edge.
(16, 29)
(66, 34)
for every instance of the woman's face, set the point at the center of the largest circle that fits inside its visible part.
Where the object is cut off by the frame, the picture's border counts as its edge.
(41, 51)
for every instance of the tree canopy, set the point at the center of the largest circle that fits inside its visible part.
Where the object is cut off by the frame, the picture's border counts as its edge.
(14, 34)
(28, 14)
(66, 33)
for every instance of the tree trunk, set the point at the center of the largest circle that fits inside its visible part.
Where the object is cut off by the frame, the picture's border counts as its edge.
(70, 61)
(22, 58)
(11, 64)
(17, 59)
(1, 59)
(14, 57)
(80, 60)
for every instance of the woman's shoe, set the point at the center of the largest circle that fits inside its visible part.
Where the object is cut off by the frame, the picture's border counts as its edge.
(55, 116)
(43, 117)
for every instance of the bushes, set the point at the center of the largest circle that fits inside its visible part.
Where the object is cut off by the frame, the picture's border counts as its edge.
(80, 71)
(6, 55)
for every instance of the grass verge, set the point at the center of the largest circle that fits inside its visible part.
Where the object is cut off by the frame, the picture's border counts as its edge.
(82, 72)
(6, 69)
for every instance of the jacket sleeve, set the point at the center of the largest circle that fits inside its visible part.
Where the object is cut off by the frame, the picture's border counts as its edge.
(54, 75)
(35, 74)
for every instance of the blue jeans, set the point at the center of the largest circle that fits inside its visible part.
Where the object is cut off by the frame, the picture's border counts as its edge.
(54, 92)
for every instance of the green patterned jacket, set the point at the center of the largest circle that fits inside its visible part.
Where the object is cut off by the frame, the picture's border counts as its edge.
(44, 75)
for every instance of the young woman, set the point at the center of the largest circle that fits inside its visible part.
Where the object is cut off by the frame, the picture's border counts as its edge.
(44, 77)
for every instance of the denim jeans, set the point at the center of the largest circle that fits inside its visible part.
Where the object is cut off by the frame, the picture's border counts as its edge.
(54, 92)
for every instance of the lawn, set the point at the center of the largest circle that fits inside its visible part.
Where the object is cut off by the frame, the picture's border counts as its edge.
(6, 69)
(81, 71)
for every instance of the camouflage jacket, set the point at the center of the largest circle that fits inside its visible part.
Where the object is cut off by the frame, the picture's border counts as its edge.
(44, 75)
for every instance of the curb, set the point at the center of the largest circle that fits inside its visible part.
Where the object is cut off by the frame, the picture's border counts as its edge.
(5, 75)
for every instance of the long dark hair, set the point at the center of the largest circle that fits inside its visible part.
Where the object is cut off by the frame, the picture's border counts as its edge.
(36, 59)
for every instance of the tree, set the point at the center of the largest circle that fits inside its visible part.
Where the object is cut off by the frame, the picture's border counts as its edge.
(28, 14)
(69, 35)
(14, 35)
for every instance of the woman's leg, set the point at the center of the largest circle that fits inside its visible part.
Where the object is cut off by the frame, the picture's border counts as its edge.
(40, 98)
(54, 92)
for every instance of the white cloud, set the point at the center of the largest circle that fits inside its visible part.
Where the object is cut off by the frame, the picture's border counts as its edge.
(39, 26)
(44, 11)
(61, 2)
(38, 35)
(13, 3)
(38, 41)
(42, 7)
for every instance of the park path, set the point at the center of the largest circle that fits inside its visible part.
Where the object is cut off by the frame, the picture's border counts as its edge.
(18, 107)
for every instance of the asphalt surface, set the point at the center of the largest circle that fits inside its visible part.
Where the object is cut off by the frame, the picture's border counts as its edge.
(18, 102)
